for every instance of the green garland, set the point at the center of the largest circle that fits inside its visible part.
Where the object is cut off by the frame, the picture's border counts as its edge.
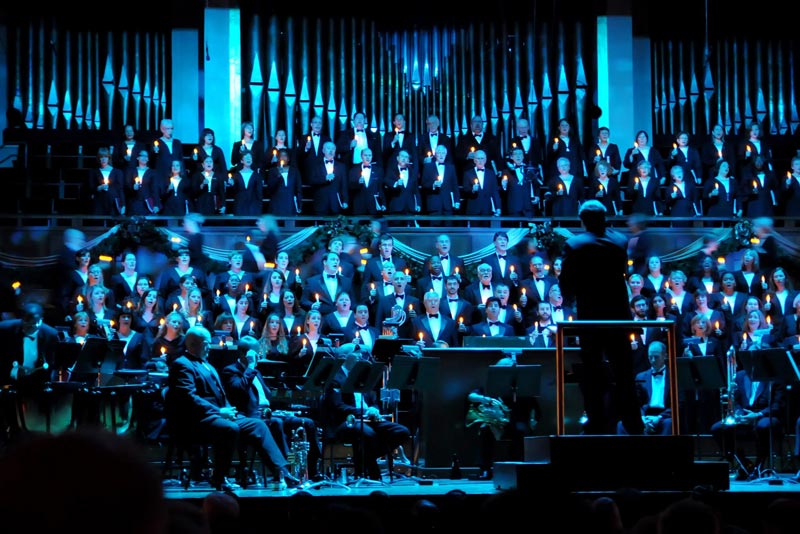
(338, 227)
(134, 233)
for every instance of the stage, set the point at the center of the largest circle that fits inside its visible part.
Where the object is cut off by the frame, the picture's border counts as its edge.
(413, 503)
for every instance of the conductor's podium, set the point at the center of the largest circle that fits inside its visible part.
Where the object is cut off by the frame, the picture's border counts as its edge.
(608, 463)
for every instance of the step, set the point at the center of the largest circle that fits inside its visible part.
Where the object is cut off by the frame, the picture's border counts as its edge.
(594, 463)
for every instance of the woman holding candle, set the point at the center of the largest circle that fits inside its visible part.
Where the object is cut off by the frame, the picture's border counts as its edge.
(779, 298)
(682, 199)
(566, 145)
(686, 157)
(721, 193)
(604, 150)
(194, 313)
(168, 344)
(272, 293)
(656, 280)
(291, 273)
(309, 346)
(720, 329)
(642, 151)
(105, 187)
(790, 190)
(247, 189)
(246, 324)
(291, 314)
(749, 276)
(125, 152)
(208, 188)
(717, 148)
(605, 188)
(646, 191)
(176, 192)
(756, 333)
(752, 147)
(148, 318)
(341, 320)
(248, 143)
(280, 143)
(207, 147)
(140, 182)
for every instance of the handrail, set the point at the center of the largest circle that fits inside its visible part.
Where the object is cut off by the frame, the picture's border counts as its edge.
(619, 325)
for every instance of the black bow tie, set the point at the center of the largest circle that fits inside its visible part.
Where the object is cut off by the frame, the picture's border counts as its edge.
(501, 256)
(436, 277)
(494, 323)
(503, 306)
(328, 161)
(452, 300)
(30, 336)
(387, 283)
(366, 166)
(359, 327)
(400, 297)
(479, 169)
(315, 134)
(330, 276)
(556, 308)
(360, 131)
(434, 134)
(444, 257)
(523, 136)
(486, 288)
(659, 373)
(401, 132)
(433, 316)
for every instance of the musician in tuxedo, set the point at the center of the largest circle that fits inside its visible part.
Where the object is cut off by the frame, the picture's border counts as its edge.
(505, 266)
(532, 154)
(455, 307)
(474, 141)
(397, 139)
(408, 303)
(365, 183)
(355, 418)
(196, 406)
(491, 326)
(479, 188)
(652, 389)
(432, 326)
(249, 393)
(374, 266)
(328, 181)
(433, 280)
(440, 191)
(362, 332)
(29, 349)
(283, 187)
(310, 145)
(401, 186)
(352, 141)
(320, 291)
(519, 187)
(433, 138)
(535, 289)
(451, 263)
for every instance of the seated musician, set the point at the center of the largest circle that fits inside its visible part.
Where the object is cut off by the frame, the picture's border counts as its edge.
(249, 393)
(29, 347)
(652, 390)
(355, 418)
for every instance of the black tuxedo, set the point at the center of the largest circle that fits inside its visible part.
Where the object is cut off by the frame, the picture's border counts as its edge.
(315, 285)
(468, 143)
(192, 406)
(520, 190)
(425, 147)
(497, 275)
(483, 328)
(448, 330)
(404, 200)
(372, 272)
(439, 199)
(464, 310)
(391, 149)
(162, 160)
(383, 311)
(346, 154)
(329, 196)
(486, 200)
(366, 198)
(12, 341)
(309, 150)
(533, 155)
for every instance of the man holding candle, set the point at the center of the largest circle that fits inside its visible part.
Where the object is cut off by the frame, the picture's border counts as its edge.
(505, 266)
(166, 149)
(309, 147)
(365, 182)
(321, 290)
(480, 187)
(408, 303)
(440, 191)
(474, 141)
(352, 142)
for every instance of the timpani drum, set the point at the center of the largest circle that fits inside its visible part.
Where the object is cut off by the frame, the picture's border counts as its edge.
(48, 409)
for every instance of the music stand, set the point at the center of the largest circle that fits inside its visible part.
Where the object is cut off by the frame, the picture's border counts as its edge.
(90, 357)
(386, 348)
(697, 374)
(770, 366)
(66, 357)
(416, 374)
(520, 380)
(363, 378)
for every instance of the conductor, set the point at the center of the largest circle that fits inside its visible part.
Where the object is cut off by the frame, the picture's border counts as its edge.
(607, 397)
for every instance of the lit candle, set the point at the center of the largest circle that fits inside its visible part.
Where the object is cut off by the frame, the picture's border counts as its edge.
(304, 342)
(16, 285)
(768, 298)
(763, 279)
(265, 298)
(748, 149)
(632, 338)
(105, 180)
(199, 318)
(719, 154)
(569, 318)
(372, 285)
(674, 188)
(406, 271)
(138, 180)
(630, 263)
(769, 320)
(175, 307)
(716, 325)
(217, 292)
(111, 323)
(252, 324)
(363, 250)
(512, 268)
(358, 334)
(163, 350)
(195, 151)
(636, 180)
(243, 142)
(524, 291)
(297, 272)
(472, 149)
(721, 260)
(129, 304)
(555, 140)
(340, 269)
(716, 185)
(515, 307)
(420, 336)
(725, 300)
(246, 288)
(129, 152)
(363, 261)
(162, 321)
(410, 307)
(635, 144)
(317, 296)
(674, 146)
(80, 299)
(560, 187)
(298, 330)
(461, 321)
(456, 270)
(155, 144)
(536, 327)
(597, 152)
(755, 184)
(221, 343)
(248, 238)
